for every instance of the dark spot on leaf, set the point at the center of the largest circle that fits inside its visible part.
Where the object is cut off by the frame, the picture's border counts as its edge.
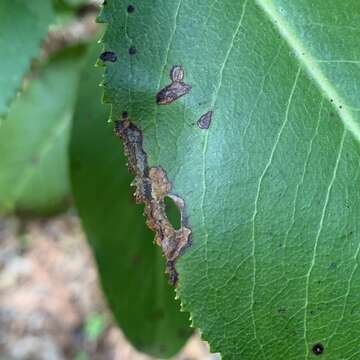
(331, 100)
(175, 90)
(130, 9)
(125, 115)
(177, 73)
(137, 159)
(333, 266)
(132, 50)
(340, 107)
(108, 56)
(282, 311)
(205, 120)
(104, 2)
(172, 92)
(318, 349)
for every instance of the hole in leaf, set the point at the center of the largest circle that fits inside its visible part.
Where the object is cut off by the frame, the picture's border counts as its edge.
(173, 213)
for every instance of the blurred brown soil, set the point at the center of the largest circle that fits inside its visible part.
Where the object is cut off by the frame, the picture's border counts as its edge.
(48, 292)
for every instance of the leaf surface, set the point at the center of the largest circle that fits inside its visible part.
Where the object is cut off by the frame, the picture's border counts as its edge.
(34, 139)
(23, 25)
(270, 185)
(131, 268)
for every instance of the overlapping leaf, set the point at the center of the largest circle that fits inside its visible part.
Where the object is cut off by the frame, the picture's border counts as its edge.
(34, 139)
(23, 25)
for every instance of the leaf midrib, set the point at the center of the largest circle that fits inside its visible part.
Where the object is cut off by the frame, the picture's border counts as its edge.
(310, 65)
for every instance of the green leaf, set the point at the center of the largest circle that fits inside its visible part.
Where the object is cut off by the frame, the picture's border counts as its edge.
(76, 3)
(271, 187)
(131, 268)
(34, 139)
(23, 25)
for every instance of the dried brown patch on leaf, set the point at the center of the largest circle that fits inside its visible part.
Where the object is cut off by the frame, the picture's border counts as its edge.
(177, 73)
(152, 186)
(176, 89)
(205, 120)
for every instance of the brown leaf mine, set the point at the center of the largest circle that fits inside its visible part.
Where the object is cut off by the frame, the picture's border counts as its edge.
(205, 120)
(152, 186)
(176, 89)
(177, 73)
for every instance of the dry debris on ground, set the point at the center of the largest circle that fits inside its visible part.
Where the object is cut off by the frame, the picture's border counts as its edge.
(51, 307)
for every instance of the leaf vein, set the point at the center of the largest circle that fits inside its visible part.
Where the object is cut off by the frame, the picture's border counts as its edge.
(311, 65)
(316, 243)
(162, 72)
(206, 135)
(267, 166)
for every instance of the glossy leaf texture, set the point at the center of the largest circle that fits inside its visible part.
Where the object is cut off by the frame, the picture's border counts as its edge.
(131, 268)
(271, 184)
(34, 137)
(23, 26)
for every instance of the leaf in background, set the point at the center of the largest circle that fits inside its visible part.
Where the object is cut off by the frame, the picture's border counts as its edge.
(271, 184)
(23, 25)
(68, 11)
(131, 268)
(76, 3)
(34, 139)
